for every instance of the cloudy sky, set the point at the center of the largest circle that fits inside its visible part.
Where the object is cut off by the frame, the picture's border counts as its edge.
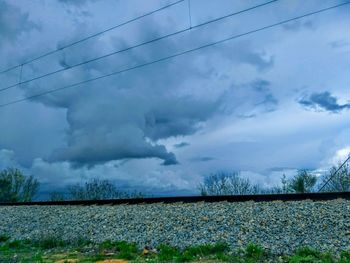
(263, 104)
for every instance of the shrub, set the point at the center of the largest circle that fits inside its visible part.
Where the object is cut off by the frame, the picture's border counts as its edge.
(15, 187)
(310, 255)
(97, 189)
(303, 182)
(167, 253)
(254, 253)
(227, 184)
(338, 179)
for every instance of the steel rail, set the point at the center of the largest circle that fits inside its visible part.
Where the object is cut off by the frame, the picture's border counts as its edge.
(193, 199)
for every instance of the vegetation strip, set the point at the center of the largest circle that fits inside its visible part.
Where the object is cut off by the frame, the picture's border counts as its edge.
(282, 227)
(55, 250)
(17, 188)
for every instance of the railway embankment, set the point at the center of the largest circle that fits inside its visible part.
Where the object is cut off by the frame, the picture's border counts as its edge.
(280, 227)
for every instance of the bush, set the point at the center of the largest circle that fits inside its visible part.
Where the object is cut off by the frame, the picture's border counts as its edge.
(227, 184)
(124, 249)
(254, 253)
(15, 187)
(97, 189)
(303, 182)
(310, 255)
(337, 182)
(167, 253)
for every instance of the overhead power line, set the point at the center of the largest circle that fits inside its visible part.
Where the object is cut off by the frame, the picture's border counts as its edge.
(174, 55)
(89, 37)
(137, 45)
(334, 174)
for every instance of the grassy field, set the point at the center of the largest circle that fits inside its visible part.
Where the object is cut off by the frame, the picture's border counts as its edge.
(54, 250)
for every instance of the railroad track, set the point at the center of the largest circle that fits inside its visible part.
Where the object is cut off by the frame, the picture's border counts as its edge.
(193, 199)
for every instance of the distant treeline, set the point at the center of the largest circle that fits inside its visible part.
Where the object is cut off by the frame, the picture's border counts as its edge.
(336, 180)
(16, 187)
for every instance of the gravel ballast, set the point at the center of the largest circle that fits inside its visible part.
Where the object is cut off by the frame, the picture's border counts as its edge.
(281, 227)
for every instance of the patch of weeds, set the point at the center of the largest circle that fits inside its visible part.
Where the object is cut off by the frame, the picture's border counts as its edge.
(53, 242)
(4, 248)
(307, 251)
(167, 253)
(16, 244)
(38, 258)
(107, 245)
(80, 242)
(327, 258)
(344, 257)
(254, 253)
(123, 249)
(126, 250)
(49, 243)
(172, 254)
(310, 255)
(201, 251)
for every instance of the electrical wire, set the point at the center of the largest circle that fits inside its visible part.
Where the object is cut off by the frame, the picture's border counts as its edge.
(136, 46)
(89, 37)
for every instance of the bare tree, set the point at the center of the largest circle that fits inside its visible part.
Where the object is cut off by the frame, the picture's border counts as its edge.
(283, 189)
(15, 187)
(227, 184)
(97, 189)
(302, 182)
(284, 184)
(337, 182)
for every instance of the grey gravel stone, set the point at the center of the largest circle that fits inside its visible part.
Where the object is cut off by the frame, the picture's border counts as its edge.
(278, 226)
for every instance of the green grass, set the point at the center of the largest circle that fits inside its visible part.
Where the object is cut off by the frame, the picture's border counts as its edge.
(310, 255)
(52, 249)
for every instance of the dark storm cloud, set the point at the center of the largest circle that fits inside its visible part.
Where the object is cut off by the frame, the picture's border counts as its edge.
(13, 22)
(181, 118)
(324, 101)
(103, 151)
(124, 116)
(181, 144)
(113, 121)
